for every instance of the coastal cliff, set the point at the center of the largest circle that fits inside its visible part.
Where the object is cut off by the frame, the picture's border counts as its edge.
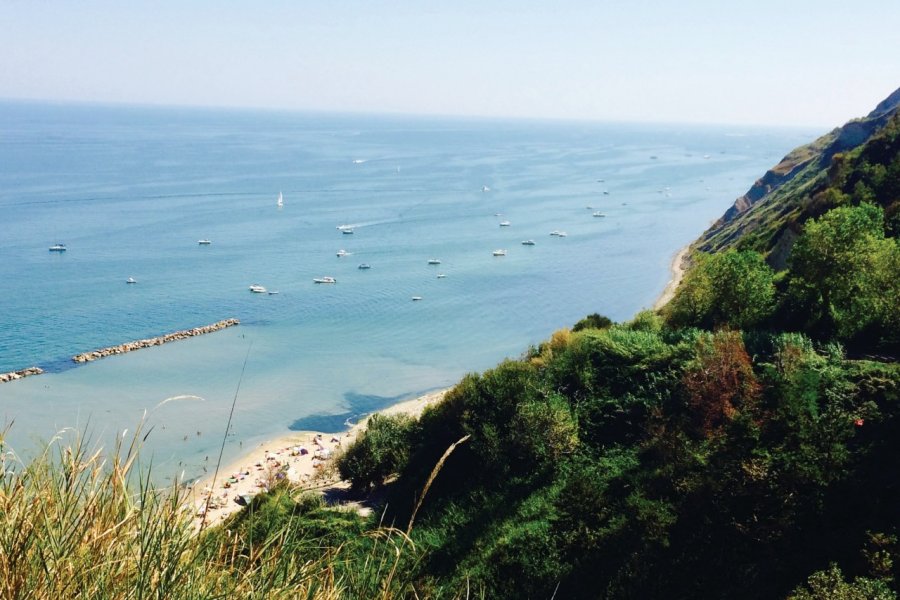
(768, 217)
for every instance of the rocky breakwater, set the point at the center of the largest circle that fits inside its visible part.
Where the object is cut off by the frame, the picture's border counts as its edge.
(13, 375)
(157, 341)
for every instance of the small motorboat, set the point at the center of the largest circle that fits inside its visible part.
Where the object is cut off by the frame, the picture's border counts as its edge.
(58, 248)
(599, 214)
(204, 242)
(324, 280)
(257, 289)
(342, 252)
(505, 223)
(499, 253)
(131, 280)
(441, 276)
(416, 298)
(528, 242)
(364, 266)
(347, 231)
(433, 261)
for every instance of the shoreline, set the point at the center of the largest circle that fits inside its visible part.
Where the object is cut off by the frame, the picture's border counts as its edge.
(677, 269)
(306, 454)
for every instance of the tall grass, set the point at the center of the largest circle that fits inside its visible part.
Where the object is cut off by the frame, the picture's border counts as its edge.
(81, 522)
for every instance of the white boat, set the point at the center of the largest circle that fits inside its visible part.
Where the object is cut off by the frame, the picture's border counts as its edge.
(505, 223)
(131, 280)
(343, 252)
(280, 201)
(324, 280)
(257, 289)
(499, 253)
(554, 232)
(204, 242)
(364, 266)
(599, 214)
(272, 293)
(58, 248)
(433, 261)
(416, 298)
(485, 188)
(441, 276)
(558, 233)
(528, 242)
(343, 227)
(346, 231)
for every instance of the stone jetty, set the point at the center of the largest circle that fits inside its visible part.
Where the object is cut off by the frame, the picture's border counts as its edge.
(157, 341)
(13, 375)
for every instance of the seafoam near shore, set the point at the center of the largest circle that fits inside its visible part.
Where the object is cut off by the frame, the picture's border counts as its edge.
(304, 458)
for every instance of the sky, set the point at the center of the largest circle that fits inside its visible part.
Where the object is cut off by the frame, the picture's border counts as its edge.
(785, 62)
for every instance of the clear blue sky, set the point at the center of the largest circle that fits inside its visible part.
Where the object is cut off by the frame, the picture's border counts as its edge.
(805, 62)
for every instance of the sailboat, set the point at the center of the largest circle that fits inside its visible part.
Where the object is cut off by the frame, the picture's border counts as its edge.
(280, 202)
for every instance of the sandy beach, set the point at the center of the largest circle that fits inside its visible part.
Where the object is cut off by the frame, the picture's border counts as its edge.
(678, 268)
(305, 458)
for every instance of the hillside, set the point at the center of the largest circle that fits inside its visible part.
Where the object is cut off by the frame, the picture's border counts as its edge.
(770, 215)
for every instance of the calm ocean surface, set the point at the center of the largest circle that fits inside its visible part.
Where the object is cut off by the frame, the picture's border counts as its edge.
(131, 190)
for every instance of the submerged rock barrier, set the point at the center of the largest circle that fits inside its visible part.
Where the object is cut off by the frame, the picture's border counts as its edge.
(157, 341)
(13, 375)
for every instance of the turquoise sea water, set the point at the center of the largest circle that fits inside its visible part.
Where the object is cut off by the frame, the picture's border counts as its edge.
(130, 191)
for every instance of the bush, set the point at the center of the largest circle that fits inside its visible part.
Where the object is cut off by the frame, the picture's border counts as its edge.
(381, 451)
(593, 321)
(830, 585)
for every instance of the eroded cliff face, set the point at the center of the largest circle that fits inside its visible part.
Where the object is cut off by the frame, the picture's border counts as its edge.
(771, 210)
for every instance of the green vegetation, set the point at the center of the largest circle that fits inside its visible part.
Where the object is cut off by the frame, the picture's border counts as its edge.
(842, 283)
(845, 276)
(380, 452)
(76, 523)
(734, 288)
(646, 460)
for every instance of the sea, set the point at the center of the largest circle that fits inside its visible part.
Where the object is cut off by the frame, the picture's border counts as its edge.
(131, 190)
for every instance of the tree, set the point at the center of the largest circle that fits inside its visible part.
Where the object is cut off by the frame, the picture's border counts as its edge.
(733, 288)
(845, 275)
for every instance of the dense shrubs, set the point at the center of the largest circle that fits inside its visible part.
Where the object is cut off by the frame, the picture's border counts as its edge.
(645, 461)
(380, 452)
